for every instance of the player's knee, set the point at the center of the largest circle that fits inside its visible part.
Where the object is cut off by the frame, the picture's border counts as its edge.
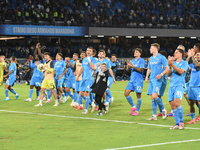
(126, 94)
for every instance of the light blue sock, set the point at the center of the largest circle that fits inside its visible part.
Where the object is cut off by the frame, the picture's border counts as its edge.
(6, 92)
(139, 101)
(70, 94)
(38, 93)
(75, 96)
(160, 103)
(158, 107)
(92, 97)
(130, 100)
(87, 100)
(80, 99)
(180, 112)
(30, 93)
(48, 93)
(192, 114)
(107, 97)
(176, 116)
(108, 92)
(11, 90)
(58, 97)
(154, 107)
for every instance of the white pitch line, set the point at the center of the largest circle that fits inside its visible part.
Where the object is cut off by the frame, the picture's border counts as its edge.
(157, 144)
(96, 119)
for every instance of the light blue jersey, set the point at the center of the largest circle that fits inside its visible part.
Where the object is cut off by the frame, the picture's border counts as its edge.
(60, 68)
(156, 64)
(36, 72)
(195, 76)
(108, 62)
(14, 68)
(135, 75)
(71, 74)
(87, 71)
(176, 78)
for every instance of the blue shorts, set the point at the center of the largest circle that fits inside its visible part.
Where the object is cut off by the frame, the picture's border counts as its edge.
(135, 86)
(194, 93)
(36, 81)
(154, 87)
(186, 88)
(110, 82)
(77, 86)
(162, 88)
(85, 85)
(70, 83)
(10, 81)
(175, 92)
(59, 82)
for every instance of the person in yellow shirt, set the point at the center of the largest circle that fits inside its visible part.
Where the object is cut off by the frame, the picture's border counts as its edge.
(2, 67)
(48, 82)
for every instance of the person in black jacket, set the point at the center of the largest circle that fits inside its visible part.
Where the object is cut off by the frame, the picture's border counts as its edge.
(99, 87)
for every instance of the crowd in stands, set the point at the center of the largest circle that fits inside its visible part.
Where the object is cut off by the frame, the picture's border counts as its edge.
(117, 13)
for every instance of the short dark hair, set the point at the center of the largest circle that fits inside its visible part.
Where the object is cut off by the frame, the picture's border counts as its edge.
(114, 55)
(181, 51)
(47, 53)
(103, 51)
(164, 53)
(83, 52)
(139, 50)
(13, 58)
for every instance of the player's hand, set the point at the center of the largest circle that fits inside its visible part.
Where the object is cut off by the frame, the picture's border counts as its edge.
(191, 52)
(159, 76)
(98, 64)
(60, 76)
(77, 78)
(130, 65)
(147, 79)
(114, 82)
(5, 76)
(95, 67)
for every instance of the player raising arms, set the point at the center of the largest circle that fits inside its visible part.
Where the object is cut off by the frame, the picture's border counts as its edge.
(76, 70)
(136, 81)
(114, 66)
(194, 83)
(48, 81)
(87, 80)
(11, 79)
(177, 71)
(59, 68)
(155, 68)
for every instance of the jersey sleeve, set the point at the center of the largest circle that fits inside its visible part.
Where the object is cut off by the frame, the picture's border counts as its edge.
(142, 63)
(12, 67)
(149, 66)
(108, 64)
(185, 66)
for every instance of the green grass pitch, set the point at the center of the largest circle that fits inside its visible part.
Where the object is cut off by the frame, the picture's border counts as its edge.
(63, 127)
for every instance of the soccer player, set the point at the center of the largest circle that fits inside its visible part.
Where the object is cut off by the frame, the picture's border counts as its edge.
(114, 66)
(155, 70)
(136, 81)
(87, 81)
(48, 81)
(72, 79)
(11, 79)
(36, 78)
(177, 71)
(76, 70)
(2, 67)
(194, 87)
(59, 68)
